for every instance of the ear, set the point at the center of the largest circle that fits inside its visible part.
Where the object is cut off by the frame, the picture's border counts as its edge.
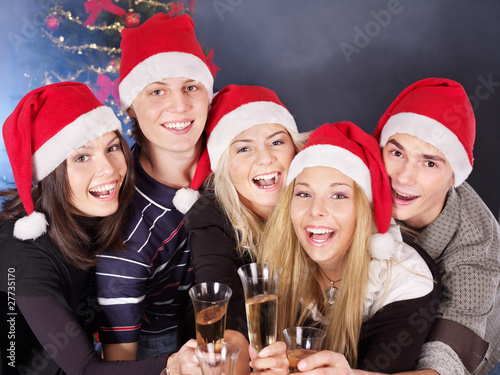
(130, 112)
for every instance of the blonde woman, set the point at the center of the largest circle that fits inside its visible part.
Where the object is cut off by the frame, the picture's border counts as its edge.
(252, 138)
(374, 295)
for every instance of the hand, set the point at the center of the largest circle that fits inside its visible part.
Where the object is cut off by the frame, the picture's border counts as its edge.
(271, 360)
(329, 362)
(184, 362)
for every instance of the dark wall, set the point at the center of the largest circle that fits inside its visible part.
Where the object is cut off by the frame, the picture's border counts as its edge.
(347, 60)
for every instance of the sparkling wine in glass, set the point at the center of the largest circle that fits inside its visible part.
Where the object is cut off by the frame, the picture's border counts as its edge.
(260, 284)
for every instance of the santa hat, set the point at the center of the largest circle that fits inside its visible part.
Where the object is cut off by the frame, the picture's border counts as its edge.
(350, 150)
(162, 47)
(436, 111)
(46, 127)
(237, 108)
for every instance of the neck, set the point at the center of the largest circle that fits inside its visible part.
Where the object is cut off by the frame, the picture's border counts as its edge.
(327, 275)
(178, 172)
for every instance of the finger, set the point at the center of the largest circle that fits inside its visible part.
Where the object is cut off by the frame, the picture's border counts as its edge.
(276, 348)
(252, 352)
(275, 363)
(324, 358)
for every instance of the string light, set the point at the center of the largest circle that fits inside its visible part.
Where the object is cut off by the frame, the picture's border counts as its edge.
(60, 43)
(153, 3)
(117, 26)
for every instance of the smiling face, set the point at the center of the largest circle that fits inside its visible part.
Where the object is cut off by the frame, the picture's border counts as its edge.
(323, 214)
(258, 163)
(420, 179)
(95, 173)
(171, 114)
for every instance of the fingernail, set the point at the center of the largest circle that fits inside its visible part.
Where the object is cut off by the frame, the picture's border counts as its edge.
(264, 352)
(302, 365)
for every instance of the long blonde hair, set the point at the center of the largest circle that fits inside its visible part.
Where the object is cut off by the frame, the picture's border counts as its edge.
(248, 226)
(299, 279)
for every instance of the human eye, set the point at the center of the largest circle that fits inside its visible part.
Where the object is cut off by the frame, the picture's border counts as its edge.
(396, 153)
(115, 147)
(243, 149)
(191, 88)
(302, 194)
(339, 196)
(277, 142)
(431, 164)
(156, 92)
(82, 158)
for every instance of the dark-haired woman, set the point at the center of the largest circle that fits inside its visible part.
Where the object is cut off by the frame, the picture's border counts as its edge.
(71, 168)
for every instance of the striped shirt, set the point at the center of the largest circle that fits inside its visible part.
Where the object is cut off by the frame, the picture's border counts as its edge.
(143, 288)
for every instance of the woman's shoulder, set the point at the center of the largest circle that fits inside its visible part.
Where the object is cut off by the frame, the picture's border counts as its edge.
(206, 211)
(402, 275)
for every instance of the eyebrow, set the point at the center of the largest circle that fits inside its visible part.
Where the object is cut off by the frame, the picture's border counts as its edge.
(421, 155)
(188, 80)
(268, 137)
(333, 184)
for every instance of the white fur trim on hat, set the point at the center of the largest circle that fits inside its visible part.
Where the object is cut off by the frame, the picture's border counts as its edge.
(243, 118)
(85, 128)
(184, 199)
(435, 133)
(160, 66)
(30, 227)
(333, 157)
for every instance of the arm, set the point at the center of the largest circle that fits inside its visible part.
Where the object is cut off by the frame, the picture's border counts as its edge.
(120, 352)
(121, 306)
(214, 255)
(68, 345)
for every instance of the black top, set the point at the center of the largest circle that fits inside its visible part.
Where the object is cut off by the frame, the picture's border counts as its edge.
(46, 303)
(215, 256)
(391, 340)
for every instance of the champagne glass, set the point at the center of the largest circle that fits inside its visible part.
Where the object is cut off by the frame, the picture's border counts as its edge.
(217, 359)
(301, 342)
(260, 284)
(210, 301)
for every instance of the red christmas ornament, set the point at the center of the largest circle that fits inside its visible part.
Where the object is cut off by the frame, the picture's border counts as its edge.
(132, 19)
(52, 22)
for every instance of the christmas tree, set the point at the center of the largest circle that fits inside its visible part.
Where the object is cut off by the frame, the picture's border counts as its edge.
(80, 41)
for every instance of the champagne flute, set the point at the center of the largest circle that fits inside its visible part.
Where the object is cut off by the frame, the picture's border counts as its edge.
(210, 302)
(260, 284)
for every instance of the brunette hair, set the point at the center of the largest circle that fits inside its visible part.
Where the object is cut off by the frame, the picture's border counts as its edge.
(300, 275)
(51, 197)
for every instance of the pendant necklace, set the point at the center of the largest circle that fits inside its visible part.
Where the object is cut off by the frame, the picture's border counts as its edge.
(329, 293)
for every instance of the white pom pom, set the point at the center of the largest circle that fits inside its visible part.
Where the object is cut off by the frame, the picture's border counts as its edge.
(30, 227)
(184, 199)
(382, 246)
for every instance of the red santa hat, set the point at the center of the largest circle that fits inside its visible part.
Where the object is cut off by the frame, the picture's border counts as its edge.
(46, 127)
(237, 108)
(437, 111)
(162, 47)
(350, 150)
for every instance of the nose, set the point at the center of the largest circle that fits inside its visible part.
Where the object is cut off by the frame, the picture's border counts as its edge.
(264, 157)
(405, 174)
(105, 167)
(178, 102)
(317, 207)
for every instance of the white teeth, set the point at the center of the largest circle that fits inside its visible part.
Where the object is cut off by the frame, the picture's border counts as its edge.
(319, 230)
(102, 188)
(404, 195)
(266, 176)
(178, 125)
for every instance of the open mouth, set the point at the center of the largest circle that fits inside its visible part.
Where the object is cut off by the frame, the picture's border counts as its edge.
(320, 235)
(178, 125)
(103, 191)
(403, 197)
(267, 181)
